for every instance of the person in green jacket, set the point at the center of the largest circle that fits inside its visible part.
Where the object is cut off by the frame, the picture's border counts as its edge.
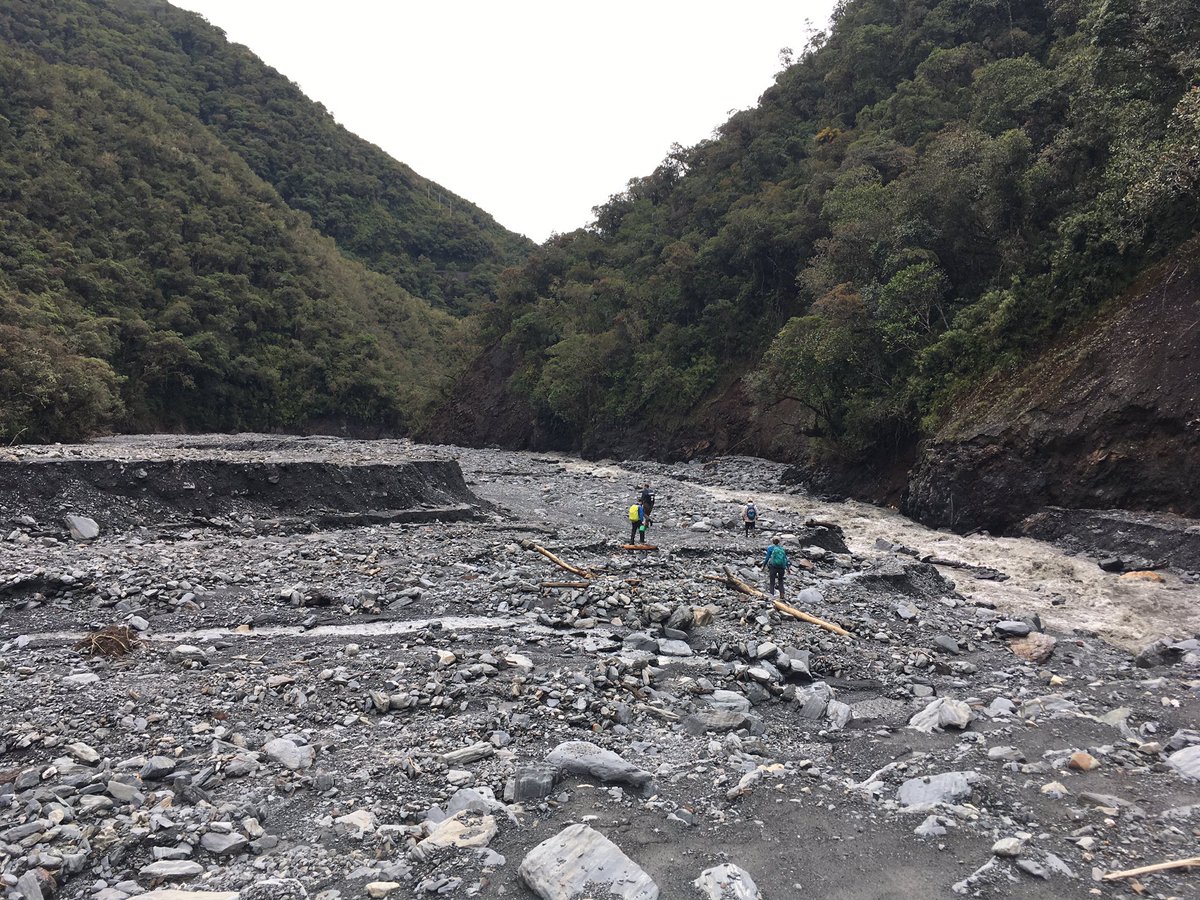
(777, 564)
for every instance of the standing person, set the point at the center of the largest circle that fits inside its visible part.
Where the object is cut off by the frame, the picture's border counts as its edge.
(637, 516)
(777, 563)
(647, 499)
(749, 517)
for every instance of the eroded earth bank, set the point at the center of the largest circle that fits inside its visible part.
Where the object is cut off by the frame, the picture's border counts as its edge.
(303, 666)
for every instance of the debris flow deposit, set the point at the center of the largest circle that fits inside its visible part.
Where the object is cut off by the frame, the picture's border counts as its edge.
(256, 667)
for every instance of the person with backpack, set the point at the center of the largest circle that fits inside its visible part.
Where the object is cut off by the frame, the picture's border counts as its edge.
(777, 563)
(647, 499)
(637, 522)
(749, 517)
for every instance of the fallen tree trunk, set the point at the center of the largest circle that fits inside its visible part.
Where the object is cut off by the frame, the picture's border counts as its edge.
(732, 581)
(1190, 862)
(562, 564)
(792, 611)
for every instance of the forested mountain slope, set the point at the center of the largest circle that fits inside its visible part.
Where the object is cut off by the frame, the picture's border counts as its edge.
(434, 244)
(926, 200)
(188, 242)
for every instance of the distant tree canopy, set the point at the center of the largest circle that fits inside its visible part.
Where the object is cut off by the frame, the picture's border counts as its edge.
(931, 192)
(188, 242)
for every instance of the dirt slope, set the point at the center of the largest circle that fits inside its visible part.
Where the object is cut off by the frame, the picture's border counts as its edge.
(1108, 417)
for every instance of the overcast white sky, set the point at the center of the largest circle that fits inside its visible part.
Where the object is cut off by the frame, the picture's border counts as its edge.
(536, 110)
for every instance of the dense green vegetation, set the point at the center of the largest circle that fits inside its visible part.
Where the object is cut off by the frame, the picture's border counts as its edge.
(187, 242)
(934, 190)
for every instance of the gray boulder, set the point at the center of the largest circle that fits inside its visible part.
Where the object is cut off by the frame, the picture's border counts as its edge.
(82, 528)
(719, 720)
(585, 758)
(1186, 762)
(223, 844)
(730, 700)
(580, 862)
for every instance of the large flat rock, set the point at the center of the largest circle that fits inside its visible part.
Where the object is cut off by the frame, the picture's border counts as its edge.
(580, 862)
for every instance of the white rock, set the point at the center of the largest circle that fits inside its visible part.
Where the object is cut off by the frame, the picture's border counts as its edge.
(287, 753)
(459, 831)
(580, 862)
(382, 888)
(357, 823)
(927, 792)
(941, 713)
(1009, 846)
(727, 882)
(171, 868)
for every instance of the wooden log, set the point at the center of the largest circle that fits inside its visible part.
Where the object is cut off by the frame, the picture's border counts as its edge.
(730, 580)
(792, 611)
(1189, 863)
(562, 564)
(566, 584)
(639, 546)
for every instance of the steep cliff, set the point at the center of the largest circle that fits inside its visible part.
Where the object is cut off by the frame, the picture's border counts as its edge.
(1108, 417)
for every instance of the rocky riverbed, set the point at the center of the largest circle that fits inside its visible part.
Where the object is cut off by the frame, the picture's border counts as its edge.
(208, 700)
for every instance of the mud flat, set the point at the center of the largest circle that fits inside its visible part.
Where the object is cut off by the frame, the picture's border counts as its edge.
(415, 709)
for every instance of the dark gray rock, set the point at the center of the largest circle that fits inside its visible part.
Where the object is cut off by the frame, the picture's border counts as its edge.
(585, 758)
(1013, 627)
(718, 720)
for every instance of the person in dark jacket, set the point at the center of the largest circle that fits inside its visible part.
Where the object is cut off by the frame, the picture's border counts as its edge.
(647, 499)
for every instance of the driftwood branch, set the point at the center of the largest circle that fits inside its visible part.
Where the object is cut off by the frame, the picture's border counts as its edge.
(731, 581)
(562, 564)
(639, 546)
(566, 584)
(1191, 862)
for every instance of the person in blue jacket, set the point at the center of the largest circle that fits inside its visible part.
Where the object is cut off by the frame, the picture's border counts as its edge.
(776, 561)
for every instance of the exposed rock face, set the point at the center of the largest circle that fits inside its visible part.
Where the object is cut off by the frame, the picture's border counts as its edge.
(288, 477)
(1109, 417)
(1127, 540)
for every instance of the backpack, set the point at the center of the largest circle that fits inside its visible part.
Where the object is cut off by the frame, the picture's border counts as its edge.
(777, 557)
(635, 514)
(751, 512)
